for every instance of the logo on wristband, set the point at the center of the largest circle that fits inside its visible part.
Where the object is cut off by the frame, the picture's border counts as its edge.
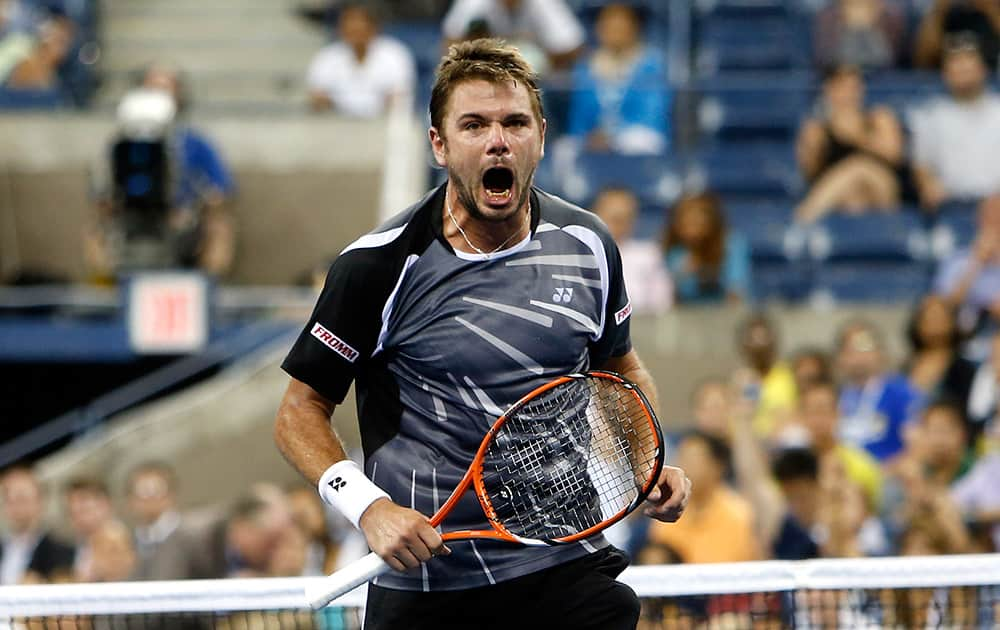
(338, 483)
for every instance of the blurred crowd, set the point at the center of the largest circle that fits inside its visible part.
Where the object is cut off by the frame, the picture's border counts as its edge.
(269, 532)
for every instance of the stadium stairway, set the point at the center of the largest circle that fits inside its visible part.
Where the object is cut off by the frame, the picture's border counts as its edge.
(238, 55)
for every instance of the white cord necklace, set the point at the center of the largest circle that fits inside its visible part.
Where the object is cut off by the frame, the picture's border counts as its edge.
(466, 236)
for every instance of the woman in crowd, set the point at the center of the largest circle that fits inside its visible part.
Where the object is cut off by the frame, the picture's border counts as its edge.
(851, 157)
(935, 366)
(708, 263)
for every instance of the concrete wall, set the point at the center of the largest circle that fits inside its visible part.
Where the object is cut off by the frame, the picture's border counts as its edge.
(307, 187)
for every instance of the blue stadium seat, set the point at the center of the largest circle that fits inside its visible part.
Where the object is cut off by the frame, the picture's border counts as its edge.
(879, 283)
(780, 281)
(954, 229)
(750, 170)
(423, 38)
(657, 180)
(876, 236)
(738, 43)
(30, 99)
(765, 226)
(757, 105)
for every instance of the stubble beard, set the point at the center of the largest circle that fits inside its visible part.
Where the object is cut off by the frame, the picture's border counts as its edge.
(467, 199)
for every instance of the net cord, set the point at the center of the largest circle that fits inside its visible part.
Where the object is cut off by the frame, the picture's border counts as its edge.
(647, 581)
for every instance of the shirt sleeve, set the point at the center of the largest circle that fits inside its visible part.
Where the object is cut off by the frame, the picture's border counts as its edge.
(341, 334)
(208, 165)
(615, 339)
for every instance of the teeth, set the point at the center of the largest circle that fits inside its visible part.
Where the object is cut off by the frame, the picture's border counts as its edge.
(498, 195)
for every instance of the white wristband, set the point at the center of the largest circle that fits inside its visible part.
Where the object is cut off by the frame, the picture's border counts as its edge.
(345, 488)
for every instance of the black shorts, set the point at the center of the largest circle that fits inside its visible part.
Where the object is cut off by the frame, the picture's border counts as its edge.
(581, 594)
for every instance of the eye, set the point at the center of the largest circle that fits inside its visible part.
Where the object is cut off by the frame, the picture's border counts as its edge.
(473, 125)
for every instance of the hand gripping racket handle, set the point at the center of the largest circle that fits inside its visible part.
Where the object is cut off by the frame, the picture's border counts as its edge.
(322, 591)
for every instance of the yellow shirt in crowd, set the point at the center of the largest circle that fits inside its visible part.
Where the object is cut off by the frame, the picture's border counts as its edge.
(721, 531)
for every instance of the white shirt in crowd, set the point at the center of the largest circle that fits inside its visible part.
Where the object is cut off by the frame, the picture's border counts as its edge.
(17, 552)
(361, 88)
(549, 23)
(958, 143)
(650, 289)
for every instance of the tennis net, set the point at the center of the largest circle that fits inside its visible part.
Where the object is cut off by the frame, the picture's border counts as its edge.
(917, 592)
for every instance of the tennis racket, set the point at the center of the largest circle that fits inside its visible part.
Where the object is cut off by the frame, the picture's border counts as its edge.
(567, 460)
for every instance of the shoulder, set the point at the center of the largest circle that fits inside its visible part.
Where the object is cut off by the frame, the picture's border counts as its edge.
(562, 213)
(882, 114)
(387, 246)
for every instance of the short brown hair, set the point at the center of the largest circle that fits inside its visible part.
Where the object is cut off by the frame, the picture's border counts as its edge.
(492, 60)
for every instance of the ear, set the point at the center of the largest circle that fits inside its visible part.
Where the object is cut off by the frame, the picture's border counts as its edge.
(544, 125)
(437, 145)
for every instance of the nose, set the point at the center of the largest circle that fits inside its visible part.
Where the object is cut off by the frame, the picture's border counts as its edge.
(497, 141)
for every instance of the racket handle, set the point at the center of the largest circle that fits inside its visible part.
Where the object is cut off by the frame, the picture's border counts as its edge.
(322, 591)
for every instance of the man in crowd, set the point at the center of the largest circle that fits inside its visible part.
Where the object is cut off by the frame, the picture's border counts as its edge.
(88, 506)
(955, 136)
(27, 550)
(162, 545)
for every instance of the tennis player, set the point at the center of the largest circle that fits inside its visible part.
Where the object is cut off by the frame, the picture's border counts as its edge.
(483, 290)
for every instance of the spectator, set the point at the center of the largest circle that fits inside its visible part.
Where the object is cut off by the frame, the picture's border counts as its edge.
(969, 280)
(162, 545)
(868, 34)
(945, 453)
(113, 554)
(364, 73)
(984, 397)
(765, 380)
(819, 414)
(708, 263)
(851, 157)
(797, 474)
(32, 52)
(955, 136)
(240, 544)
(846, 523)
(290, 554)
(935, 366)
(88, 506)
(646, 279)
(711, 408)
(977, 496)
(178, 217)
(548, 25)
(718, 525)
(874, 403)
(620, 97)
(308, 515)
(947, 18)
(27, 551)
(810, 365)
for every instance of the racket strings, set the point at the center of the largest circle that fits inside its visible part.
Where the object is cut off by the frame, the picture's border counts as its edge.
(570, 459)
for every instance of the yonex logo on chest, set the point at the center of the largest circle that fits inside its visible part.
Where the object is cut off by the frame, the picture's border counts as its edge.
(563, 294)
(334, 343)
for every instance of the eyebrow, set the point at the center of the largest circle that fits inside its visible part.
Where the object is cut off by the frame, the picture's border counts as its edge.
(514, 116)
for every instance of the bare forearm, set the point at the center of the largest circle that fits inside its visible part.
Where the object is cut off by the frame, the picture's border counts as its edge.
(305, 438)
(630, 366)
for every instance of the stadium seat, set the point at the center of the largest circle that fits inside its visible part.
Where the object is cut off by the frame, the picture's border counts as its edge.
(765, 226)
(870, 282)
(754, 106)
(876, 236)
(423, 38)
(30, 99)
(657, 180)
(778, 281)
(740, 43)
(902, 89)
(954, 229)
(750, 170)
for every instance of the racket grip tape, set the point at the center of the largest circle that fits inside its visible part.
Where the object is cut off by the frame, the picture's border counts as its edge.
(322, 591)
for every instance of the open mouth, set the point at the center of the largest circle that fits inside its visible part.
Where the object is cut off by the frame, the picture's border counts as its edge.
(497, 182)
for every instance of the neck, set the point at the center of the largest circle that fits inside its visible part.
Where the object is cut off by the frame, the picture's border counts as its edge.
(472, 235)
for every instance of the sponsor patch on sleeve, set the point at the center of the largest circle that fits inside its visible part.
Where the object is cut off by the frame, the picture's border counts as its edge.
(623, 314)
(334, 342)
